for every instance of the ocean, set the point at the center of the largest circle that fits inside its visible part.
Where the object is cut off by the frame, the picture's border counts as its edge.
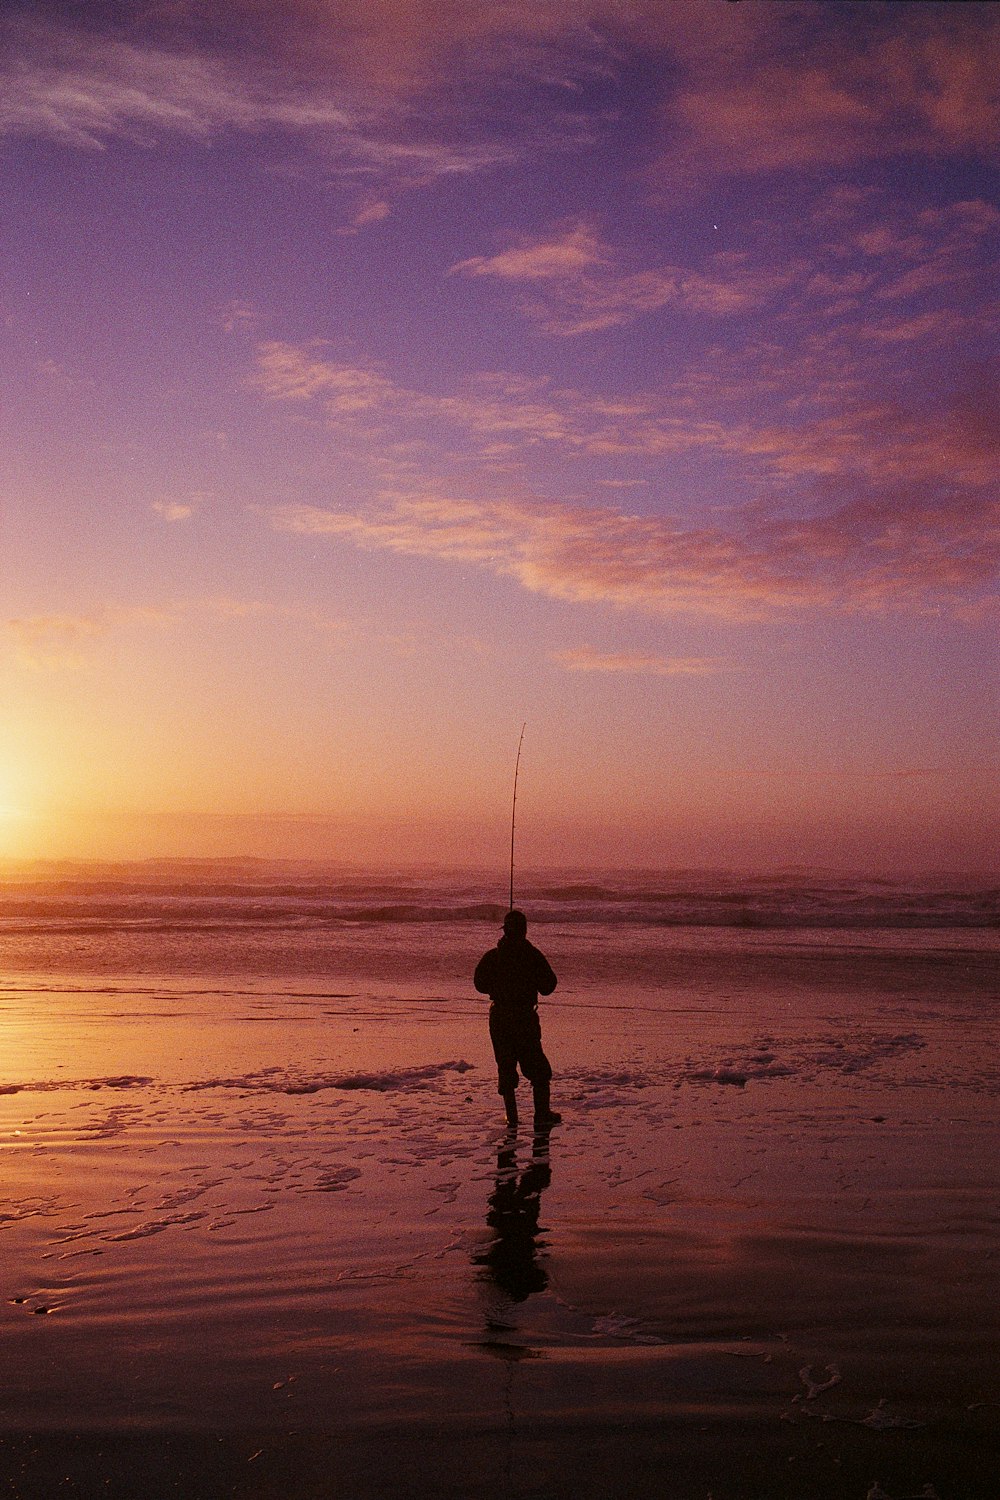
(215, 896)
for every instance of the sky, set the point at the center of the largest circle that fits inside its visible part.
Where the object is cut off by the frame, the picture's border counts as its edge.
(378, 379)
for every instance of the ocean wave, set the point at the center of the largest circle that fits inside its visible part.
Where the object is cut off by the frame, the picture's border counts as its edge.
(79, 908)
(215, 916)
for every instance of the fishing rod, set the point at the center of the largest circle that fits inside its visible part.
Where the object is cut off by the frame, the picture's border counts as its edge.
(513, 810)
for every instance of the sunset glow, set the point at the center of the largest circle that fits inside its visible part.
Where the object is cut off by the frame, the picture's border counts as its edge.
(382, 377)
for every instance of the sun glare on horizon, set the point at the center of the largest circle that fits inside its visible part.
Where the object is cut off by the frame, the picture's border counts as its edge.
(12, 829)
(17, 814)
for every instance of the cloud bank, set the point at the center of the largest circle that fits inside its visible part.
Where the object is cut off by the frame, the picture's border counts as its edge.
(859, 557)
(850, 438)
(402, 86)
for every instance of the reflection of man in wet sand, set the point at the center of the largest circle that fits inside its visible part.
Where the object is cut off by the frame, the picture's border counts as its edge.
(514, 974)
(513, 1215)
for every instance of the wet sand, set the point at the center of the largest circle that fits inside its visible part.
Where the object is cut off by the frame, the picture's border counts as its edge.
(269, 1239)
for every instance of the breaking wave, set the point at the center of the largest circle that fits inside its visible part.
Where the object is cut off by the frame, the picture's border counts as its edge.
(266, 900)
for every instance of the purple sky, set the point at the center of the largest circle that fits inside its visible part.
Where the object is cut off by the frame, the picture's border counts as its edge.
(377, 378)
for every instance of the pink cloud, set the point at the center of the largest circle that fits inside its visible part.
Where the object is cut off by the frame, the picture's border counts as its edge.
(288, 373)
(918, 85)
(744, 86)
(580, 286)
(493, 412)
(173, 510)
(634, 663)
(371, 210)
(912, 253)
(873, 441)
(569, 254)
(869, 556)
(396, 50)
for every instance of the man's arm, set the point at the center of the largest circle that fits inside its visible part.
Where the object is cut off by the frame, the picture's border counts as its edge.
(544, 977)
(485, 972)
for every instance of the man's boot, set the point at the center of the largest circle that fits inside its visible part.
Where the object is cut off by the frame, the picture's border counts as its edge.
(510, 1109)
(544, 1114)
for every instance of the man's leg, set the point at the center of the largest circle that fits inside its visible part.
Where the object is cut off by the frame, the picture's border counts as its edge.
(505, 1052)
(537, 1069)
(544, 1113)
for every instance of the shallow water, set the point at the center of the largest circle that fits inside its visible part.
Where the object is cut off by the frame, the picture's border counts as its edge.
(272, 1214)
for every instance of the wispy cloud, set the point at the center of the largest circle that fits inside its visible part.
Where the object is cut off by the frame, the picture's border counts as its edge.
(371, 210)
(173, 510)
(908, 252)
(84, 88)
(863, 503)
(496, 413)
(580, 285)
(73, 640)
(635, 663)
(239, 316)
(860, 441)
(396, 50)
(857, 557)
(59, 640)
(67, 640)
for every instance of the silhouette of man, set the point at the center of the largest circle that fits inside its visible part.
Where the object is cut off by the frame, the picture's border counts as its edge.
(514, 974)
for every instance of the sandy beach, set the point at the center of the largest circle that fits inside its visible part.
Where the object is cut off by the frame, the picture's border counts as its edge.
(267, 1236)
